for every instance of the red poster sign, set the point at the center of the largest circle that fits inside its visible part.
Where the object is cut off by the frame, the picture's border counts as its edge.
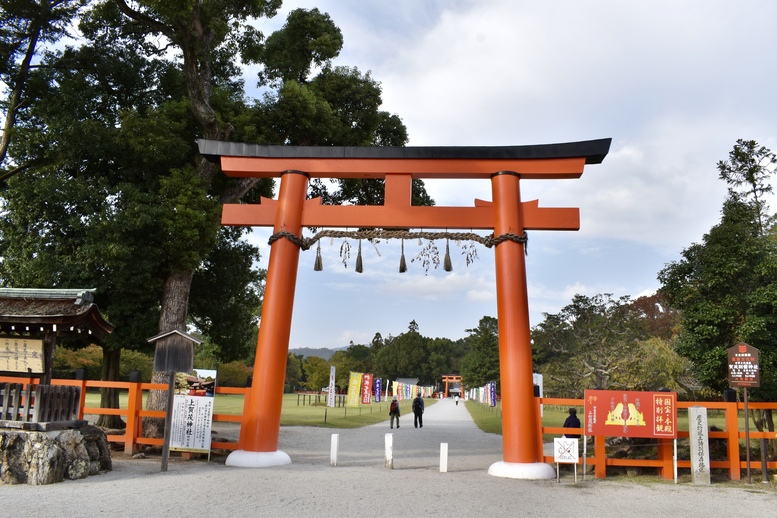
(622, 413)
(366, 389)
(743, 369)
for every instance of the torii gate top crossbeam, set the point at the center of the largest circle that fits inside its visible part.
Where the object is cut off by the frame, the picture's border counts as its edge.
(549, 161)
(399, 166)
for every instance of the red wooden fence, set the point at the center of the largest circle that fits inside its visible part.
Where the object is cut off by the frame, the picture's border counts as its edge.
(133, 437)
(664, 460)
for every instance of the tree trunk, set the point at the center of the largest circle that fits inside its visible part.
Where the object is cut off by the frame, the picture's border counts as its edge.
(764, 422)
(109, 397)
(175, 303)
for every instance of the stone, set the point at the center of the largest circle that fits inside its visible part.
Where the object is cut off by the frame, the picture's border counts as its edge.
(698, 438)
(39, 458)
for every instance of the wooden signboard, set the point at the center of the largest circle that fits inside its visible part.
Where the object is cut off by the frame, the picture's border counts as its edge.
(20, 354)
(743, 368)
(622, 413)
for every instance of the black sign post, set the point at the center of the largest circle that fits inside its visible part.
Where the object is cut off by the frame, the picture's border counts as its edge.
(744, 371)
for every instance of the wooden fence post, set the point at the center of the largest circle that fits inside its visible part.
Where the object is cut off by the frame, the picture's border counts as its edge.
(732, 430)
(134, 405)
(600, 457)
(666, 456)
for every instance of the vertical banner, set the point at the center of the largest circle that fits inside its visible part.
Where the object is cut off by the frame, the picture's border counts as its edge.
(191, 423)
(492, 392)
(377, 390)
(330, 400)
(354, 386)
(366, 389)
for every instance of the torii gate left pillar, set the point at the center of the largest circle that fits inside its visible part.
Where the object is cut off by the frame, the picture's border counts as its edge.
(507, 216)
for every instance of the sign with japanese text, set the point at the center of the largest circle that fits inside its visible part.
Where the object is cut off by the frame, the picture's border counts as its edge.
(743, 369)
(330, 399)
(378, 388)
(19, 354)
(191, 424)
(366, 389)
(620, 413)
(354, 387)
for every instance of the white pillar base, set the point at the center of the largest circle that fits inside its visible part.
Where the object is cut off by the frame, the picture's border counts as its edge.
(257, 459)
(526, 471)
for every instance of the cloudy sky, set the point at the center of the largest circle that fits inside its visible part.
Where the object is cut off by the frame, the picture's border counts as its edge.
(674, 84)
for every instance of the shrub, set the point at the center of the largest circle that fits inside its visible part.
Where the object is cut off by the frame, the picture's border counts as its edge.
(233, 374)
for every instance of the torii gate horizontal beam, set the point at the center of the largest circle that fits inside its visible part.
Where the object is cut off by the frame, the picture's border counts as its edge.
(480, 217)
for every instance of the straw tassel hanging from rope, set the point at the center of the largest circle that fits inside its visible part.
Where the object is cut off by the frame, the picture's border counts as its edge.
(359, 268)
(447, 265)
(402, 263)
(319, 264)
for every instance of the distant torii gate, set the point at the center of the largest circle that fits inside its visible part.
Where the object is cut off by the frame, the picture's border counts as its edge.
(450, 378)
(506, 215)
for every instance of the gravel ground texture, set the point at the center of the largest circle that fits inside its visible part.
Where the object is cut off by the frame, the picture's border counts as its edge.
(361, 485)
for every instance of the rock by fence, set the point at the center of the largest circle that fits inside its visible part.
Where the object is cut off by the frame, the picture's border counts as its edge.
(38, 458)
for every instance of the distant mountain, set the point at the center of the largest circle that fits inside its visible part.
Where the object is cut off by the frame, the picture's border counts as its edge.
(320, 352)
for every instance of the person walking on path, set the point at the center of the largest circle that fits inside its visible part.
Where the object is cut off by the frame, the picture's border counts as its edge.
(572, 422)
(418, 411)
(394, 411)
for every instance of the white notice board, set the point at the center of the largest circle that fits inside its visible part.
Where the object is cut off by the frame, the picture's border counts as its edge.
(192, 418)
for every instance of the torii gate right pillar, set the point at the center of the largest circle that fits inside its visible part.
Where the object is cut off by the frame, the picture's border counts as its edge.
(520, 428)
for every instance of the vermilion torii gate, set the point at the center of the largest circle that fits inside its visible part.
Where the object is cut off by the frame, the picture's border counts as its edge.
(450, 378)
(506, 215)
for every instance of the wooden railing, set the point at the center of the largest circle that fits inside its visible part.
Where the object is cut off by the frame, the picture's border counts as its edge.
(39, 407)
(134, 412)
(664, 461)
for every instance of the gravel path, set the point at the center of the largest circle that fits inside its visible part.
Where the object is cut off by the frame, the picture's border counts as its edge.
(360, 485)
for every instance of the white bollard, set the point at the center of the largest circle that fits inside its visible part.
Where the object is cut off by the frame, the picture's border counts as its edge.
(390, 450)
(443, 457)
(333, 451)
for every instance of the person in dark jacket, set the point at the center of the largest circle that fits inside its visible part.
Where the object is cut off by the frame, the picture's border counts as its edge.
(394, 411)
(418, 411)
(572, 422)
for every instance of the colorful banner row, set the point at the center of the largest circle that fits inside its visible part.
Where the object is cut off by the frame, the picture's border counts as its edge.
(485, 394)
(362, 387)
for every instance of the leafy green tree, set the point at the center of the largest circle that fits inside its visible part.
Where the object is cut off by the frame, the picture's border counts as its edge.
(481, 364)
(726, 286)
(316, 371)
(293, 371)
(116, 118)
(748, 171)
(592, 342)
(25, 26)
(356, 358)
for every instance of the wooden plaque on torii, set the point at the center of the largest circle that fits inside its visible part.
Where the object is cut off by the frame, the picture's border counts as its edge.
(506, 214)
